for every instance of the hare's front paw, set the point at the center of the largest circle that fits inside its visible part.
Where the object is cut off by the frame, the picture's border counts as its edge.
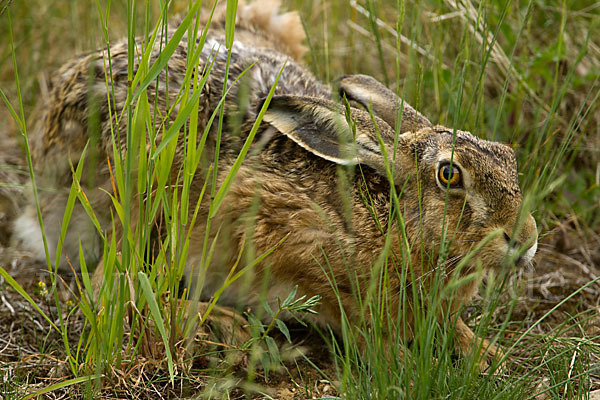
(489, 357)
(226, 326)
(224, 329)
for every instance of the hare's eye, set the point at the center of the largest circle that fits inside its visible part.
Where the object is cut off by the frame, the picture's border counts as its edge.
(449, 175)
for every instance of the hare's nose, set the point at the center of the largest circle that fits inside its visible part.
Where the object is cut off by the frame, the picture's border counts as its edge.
(513, 244)
(528, 256)
(528, 235)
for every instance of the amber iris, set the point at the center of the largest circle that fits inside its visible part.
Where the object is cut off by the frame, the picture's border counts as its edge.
(449, 175)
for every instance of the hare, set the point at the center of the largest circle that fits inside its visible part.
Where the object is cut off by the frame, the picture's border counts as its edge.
(12, 181)
(289, 189)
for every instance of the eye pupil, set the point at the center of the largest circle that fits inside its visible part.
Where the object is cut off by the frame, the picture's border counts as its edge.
(447, 172)
(449, 176)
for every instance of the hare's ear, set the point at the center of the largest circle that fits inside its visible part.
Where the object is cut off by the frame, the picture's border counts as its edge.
(367, 91)
(320, 127)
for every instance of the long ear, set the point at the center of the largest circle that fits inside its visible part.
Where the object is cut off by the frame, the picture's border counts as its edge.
(320, 127)
(367, 91)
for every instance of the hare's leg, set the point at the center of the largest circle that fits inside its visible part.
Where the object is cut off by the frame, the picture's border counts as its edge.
(27, 233)
(224, 326)
(467, 342)
(224, 330)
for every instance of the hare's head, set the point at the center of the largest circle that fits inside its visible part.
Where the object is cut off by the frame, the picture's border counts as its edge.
(452, 185)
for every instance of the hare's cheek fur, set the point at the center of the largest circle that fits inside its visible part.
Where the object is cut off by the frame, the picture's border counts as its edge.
(466, 214)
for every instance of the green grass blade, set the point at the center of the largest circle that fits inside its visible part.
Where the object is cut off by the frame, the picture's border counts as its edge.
(165, 55)
(12, 111)
(15, 285)
(157, 316)
(61, 385)
(75, 188)
(242, 155)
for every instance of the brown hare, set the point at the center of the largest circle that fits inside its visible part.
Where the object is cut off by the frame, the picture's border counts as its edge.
(12, 181)
(452, 187)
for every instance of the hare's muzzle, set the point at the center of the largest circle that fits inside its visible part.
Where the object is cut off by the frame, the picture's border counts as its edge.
(527, 237)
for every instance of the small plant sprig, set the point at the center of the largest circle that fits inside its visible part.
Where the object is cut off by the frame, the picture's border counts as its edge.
(260, 331)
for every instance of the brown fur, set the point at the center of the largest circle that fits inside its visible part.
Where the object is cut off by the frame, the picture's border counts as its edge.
(259, 24)
(13, 176)
(292, 188)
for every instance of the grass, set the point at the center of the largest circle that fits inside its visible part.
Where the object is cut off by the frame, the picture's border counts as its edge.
(520, 72)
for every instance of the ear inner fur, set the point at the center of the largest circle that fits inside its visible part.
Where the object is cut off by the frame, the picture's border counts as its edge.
(320, 127)
(314, 126)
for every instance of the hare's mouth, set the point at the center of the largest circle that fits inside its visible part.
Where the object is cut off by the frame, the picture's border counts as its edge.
(526, 258)
(516, 254)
